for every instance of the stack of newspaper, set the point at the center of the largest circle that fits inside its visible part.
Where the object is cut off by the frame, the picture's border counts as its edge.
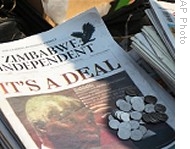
(156, 43)
(58, 87)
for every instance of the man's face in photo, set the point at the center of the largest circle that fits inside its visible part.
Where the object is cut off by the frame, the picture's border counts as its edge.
(62, 122)
(77, 131)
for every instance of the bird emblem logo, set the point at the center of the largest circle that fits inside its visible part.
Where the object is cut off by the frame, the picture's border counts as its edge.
(86, 34)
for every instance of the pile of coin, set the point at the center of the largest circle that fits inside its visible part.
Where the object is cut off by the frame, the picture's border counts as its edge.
(132, 113)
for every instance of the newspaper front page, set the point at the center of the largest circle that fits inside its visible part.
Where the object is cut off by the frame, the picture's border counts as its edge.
(59, 87)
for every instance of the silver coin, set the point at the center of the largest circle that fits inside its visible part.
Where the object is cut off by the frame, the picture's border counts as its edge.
(128, 98)
(143, 129)
(137, 103)
(125, 106)
(125, 117)
(114, 124)
(135, 115)
(134, 124)
(139, 98)
(125, 126)
(110, 117)
(119, 102)
(124, 134)
(149, 108)
(117, 114)
(136, 135)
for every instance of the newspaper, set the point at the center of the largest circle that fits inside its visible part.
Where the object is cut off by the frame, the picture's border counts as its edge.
(162, 17)
(57, 88)
(149, 45)
(7, 139)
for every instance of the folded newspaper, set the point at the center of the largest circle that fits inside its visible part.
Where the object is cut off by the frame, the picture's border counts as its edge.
(162, 18)
(149, 45)
(59, 87)
(155, 43)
